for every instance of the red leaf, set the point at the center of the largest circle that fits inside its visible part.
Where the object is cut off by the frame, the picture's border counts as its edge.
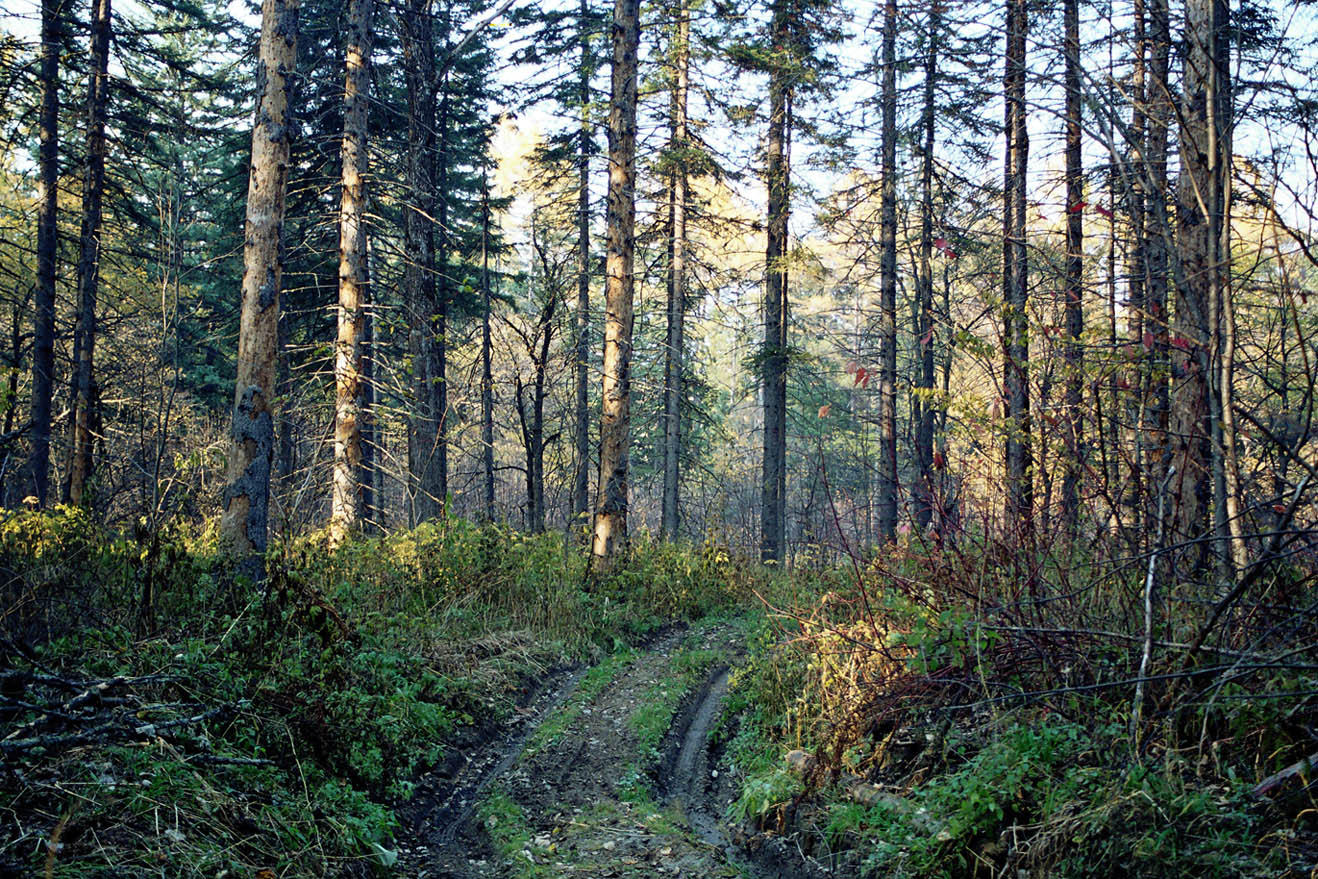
(1279, 509)
(927, 338)
(865, 382)
(939, 461)
(823, 410)
(1148, 341)
(1078, 207)
(1181, 342)
(1123, 383)
(945, 248)
(861, 375)
(1103, 211)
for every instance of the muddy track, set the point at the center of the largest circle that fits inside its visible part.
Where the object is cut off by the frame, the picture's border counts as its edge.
(581, 794)
(446, 797)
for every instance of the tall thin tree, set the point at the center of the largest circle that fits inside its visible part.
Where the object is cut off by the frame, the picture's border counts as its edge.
(43, 328)
(354, 290)
(1015, 281)
(89, 250)
(773, 476)
(609, 539)
(924, 325)
(245, 520)
(888, 282)
(1073, 351)
(419, 269)
(674, 369)
(581, 416)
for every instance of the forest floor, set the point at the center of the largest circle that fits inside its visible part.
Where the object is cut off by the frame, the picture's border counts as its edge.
(618, 771)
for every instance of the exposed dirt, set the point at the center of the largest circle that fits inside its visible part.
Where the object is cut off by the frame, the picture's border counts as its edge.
(574, 785)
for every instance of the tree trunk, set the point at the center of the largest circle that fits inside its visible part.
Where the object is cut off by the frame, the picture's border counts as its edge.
(1073, 417)
(245, 521)
(43, 330)
(924, 325)
(888, 284)
(1200, 192)
(369, 469)
(1158, 236)
(346, 508)
(487, 374)
(1020, 487)
(439, 345)
(773, 492)
(419, 270)
(610, 531)
(581, 482)
(89, 257)
(674, 368)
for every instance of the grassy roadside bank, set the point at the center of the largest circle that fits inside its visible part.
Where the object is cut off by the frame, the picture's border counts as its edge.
(156, 720)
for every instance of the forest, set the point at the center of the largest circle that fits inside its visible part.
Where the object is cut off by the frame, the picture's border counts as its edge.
(713, 438)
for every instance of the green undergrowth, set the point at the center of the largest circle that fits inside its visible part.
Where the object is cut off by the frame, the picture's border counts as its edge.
(246, 730)
(923, 763)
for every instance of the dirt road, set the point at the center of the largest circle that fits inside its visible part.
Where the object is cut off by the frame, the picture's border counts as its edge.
(603, 773)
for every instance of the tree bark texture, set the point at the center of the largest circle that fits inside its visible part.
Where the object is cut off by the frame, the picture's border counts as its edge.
(773, 477)
(346, 503)
(1200, 194)
(43, 328)
(89, 250)
(924, 323)
(1072, 422)
(609, 538)
(581, 481)
(674, 369)
(245, 521)
(888, 283)
(1016, 331)
(419, 270)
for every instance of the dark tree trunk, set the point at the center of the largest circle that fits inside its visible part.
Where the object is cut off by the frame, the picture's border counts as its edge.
(1016, 330)
(419, 270)
(43, 329)
(888, 283)
(89, 256)
(1073, 418)
(674, 371)
(924, 324)
(1201, 198)
(581, 481)
(773, 481)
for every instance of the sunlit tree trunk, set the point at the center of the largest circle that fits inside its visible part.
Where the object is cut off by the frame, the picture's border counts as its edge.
(245, 521)
(346, 508)
(609, 539)
(673, 360)
(89, 257)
